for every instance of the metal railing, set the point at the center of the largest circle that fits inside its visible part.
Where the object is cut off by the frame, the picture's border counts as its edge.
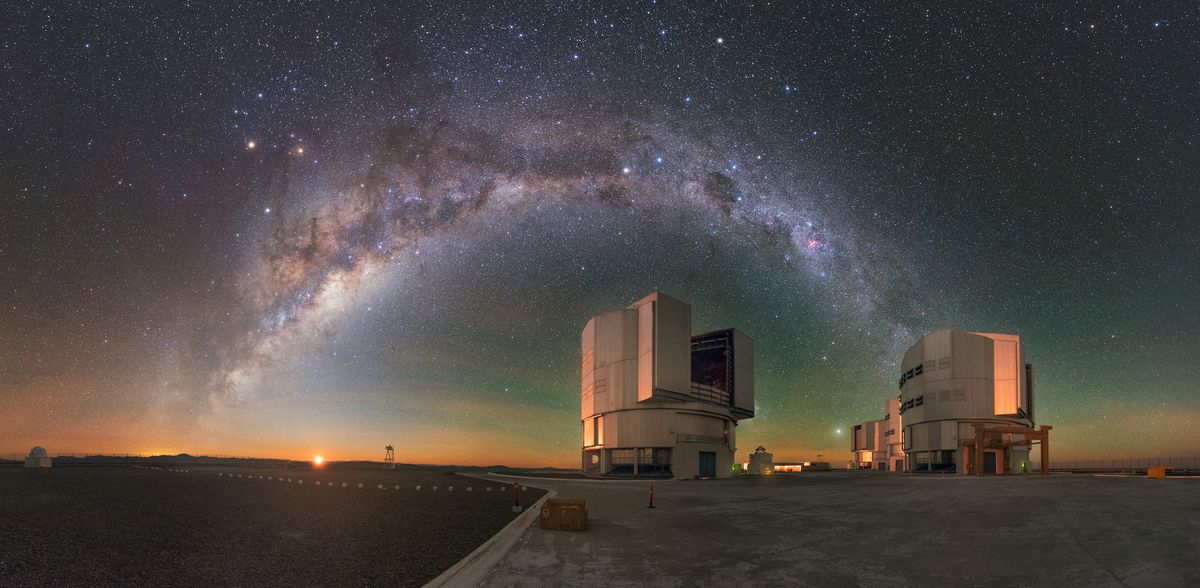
(689, 438)
(710, 394)
(1130, 464)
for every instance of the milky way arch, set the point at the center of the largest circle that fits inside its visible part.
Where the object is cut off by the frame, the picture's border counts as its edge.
(414, 181)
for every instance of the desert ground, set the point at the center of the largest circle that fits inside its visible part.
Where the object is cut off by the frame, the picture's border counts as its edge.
(225, 526)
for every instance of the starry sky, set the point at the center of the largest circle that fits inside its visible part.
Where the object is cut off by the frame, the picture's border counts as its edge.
(282, 229)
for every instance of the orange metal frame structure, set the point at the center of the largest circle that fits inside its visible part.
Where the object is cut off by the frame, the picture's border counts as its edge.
(993, 438)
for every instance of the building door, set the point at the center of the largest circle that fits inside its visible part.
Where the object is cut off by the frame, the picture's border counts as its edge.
(899, 465)
(708, 464)
(989, 462)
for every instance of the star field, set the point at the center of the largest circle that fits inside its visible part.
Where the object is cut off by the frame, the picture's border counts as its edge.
(294, 228)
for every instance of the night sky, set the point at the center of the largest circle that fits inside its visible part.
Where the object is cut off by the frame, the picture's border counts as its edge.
(284, 229)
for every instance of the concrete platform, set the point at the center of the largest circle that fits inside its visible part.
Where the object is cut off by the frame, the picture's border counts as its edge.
(868, 528)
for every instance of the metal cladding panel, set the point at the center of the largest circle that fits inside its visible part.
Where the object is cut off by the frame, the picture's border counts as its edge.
(616, 336)
(895, 420)
(640, 428)
(972, 356)
(664, 347)
(587, 380)
(587, 347)
(609, 362)
(973, 361)
(615, 385)
(673, 346)
(947, 436)
(919, 437)
(743, 373)
(1007, 376)
(695, 424)
(645, 351)
(869, 438)
(935, 346)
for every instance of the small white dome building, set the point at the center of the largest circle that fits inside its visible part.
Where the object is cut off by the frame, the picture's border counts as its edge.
(760, 463)
(38, 458)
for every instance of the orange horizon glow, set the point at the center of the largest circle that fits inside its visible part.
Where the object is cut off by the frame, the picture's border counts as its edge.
(468, 457)
(429, 443)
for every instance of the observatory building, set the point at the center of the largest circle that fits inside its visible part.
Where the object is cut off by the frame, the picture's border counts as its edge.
(965, 405)
(37, 458)
(878, 445)
(657, 400)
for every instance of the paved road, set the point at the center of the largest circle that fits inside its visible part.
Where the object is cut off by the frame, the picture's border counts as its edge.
(859, 528)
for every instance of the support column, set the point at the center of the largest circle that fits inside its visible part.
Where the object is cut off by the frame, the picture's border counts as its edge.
(637, 451)
(1045, 450)
(977, 458)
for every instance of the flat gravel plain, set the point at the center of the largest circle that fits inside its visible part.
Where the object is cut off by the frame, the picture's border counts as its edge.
(226, 526)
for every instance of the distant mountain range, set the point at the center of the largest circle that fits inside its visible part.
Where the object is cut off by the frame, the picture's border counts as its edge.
(187, 459)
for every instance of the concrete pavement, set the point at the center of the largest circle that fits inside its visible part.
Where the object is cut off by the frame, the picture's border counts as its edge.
(868, 528)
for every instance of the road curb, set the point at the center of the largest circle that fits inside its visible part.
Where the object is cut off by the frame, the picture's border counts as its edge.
(472, 569)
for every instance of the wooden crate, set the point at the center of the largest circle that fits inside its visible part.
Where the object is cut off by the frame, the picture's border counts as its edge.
(564, 514)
